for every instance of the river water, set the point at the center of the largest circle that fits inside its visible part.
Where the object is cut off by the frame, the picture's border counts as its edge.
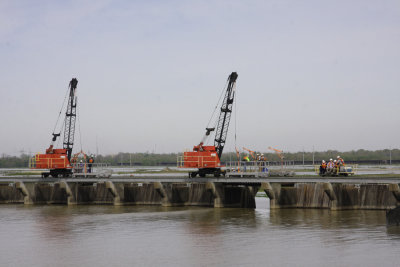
(194, 236)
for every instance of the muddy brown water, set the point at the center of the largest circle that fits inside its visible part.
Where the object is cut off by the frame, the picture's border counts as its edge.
(194, 236)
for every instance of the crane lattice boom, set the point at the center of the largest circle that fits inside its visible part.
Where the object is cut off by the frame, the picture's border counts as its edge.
(225, 115)
(70, 118)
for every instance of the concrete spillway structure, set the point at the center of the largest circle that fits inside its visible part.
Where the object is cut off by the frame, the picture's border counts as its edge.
(283, 192)
(116, 193)
(332, 196)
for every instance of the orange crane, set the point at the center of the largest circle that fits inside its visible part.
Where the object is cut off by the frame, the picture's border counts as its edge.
(207, 159)
(58, 160)
(279, 153)
(237, 154)
(251, 153)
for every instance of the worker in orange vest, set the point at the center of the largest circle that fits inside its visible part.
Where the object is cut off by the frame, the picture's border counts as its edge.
(90, 161)
(322, 168)
(341, 161)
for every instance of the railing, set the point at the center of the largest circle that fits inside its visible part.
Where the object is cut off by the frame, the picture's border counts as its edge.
(83, 169)
(247, 166)
(179, 162)
(32, 163)
(270, 164)
(338, 170)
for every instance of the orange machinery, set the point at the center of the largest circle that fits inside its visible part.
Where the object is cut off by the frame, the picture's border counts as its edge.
(207, 159)
(279, 153)
(57, 161)
(53, 159)
(252, 153)
(202, 157)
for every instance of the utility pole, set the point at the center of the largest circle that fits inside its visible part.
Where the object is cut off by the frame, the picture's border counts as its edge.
(390, 156)
(303, 156)
(97, 147)
(313, 155)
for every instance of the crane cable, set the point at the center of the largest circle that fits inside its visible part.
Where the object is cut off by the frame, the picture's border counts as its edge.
(216, 106)
(236, 150)
(79, 126)
(61, 130)
(59, 114)
(235, 103)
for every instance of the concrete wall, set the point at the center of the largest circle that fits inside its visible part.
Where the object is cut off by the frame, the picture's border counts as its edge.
(332, 196)
(109, 193)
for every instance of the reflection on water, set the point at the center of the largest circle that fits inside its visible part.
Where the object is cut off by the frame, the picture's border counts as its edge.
(182, 236)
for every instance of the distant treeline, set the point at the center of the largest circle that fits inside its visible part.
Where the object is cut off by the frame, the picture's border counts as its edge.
(149, 159)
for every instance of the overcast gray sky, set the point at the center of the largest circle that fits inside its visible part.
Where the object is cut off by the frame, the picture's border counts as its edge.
(322, 74)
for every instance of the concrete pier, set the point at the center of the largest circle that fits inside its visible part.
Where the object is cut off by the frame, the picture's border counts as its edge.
(284, 192)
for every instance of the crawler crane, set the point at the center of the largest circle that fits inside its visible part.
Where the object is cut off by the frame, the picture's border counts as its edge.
(207, 159)
(58, 161)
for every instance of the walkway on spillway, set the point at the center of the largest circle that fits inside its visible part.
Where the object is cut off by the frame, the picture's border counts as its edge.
(184, 179)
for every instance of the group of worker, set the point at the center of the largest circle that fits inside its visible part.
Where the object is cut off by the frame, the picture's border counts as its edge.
(259, 157)
(332, 167)
(81, 166)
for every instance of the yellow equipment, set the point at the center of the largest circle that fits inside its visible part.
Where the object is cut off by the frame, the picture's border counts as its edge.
(251, 153)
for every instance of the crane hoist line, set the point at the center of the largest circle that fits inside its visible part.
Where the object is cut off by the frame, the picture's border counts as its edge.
(207, 159)
(58, 160)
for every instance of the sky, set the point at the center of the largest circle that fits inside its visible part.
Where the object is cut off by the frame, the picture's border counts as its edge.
(313, 75)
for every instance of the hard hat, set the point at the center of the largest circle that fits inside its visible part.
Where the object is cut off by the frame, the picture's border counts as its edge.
(338, 157)
(323, 161)
(81, 160)
(335, 160)
(331, 159)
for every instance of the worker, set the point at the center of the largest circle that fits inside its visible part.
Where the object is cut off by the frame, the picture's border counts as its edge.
(50, 150)
(81, 165)
(335, 170)
(322, 168)
(330, 166)
(199, 147)
(90, 163)
(341, 161)
(245, 160)
(341, 164)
